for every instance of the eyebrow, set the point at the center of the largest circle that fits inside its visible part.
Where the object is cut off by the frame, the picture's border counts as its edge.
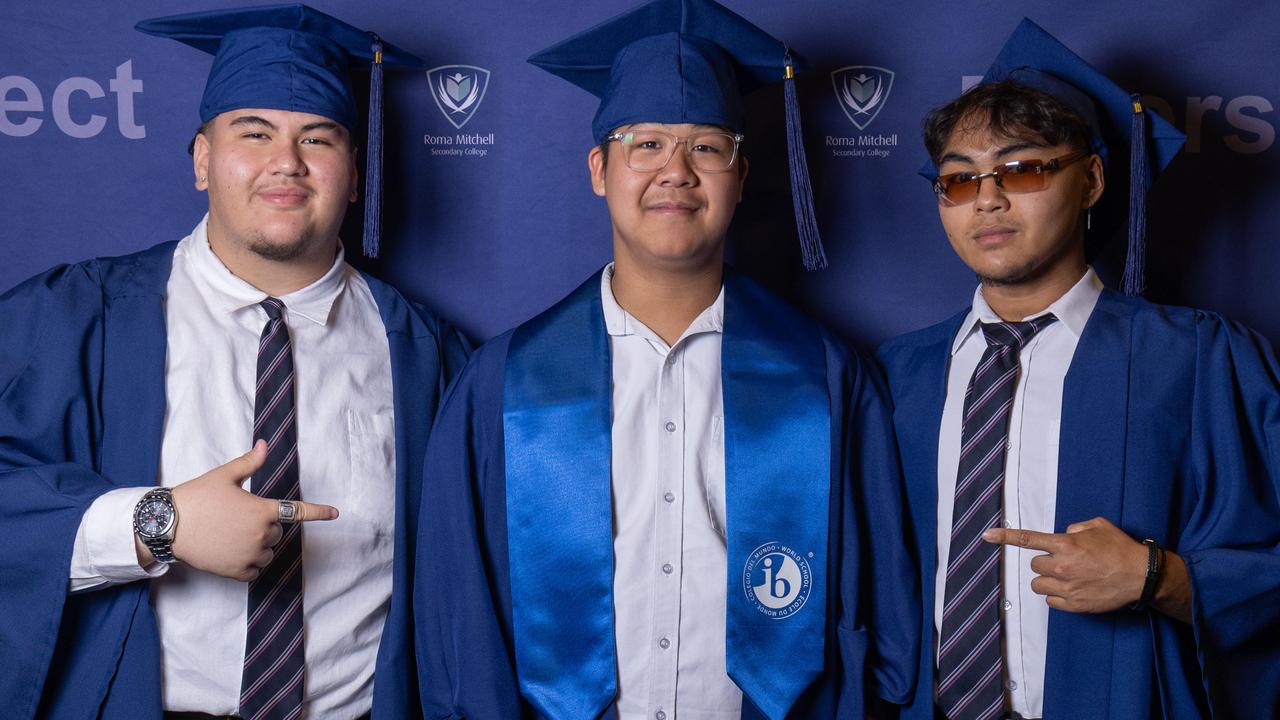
(256, 120)
(252, 120)
(320, 125)
(1000, 154)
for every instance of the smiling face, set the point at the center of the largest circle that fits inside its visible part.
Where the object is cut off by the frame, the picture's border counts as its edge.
(279, 183)
(1018, 239)
(670, 219)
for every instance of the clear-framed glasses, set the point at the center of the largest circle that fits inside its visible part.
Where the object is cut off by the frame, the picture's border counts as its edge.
(1019, 176)
(709, 151)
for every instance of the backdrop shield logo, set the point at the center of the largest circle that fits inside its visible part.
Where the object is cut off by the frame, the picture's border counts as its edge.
(862, 91)
(458, 90)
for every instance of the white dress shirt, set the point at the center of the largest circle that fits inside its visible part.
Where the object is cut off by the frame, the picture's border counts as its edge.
(669, 579)
(1031, 474)
(346, 450)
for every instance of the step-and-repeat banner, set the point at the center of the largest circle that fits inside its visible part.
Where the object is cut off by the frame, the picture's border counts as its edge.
(489, 211)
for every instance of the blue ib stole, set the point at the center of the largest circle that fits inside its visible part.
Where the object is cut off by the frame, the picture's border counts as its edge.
(556, 424)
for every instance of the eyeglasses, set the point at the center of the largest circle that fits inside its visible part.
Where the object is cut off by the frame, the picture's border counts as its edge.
(1019, 176)
(707, 151)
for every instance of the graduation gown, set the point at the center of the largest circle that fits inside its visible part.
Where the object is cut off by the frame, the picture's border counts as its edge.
(82, 403)
(466, 640)
(1171, 430)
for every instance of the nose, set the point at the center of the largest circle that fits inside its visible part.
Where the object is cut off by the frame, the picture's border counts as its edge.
(991, 196)
(678, 171)
(288, 160)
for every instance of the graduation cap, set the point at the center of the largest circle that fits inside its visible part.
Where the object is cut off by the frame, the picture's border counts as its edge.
(1117, 119)
(687, 61)
(295, 58)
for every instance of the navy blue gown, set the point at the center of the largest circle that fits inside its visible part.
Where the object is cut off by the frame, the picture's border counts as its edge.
(82, 403)
(463, 600)
(1170, 430)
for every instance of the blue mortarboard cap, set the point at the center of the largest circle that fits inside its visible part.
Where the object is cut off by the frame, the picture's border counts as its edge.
(1117, 119)
(686, 61)
(295, 58)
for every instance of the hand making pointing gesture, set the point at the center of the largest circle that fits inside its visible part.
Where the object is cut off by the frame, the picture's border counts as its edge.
(1096, 567)
(226, 530)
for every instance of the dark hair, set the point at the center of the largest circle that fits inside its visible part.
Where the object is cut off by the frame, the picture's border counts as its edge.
(1010, 110)
(202, 130)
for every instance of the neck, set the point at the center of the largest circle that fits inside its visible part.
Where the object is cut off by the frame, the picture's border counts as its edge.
(1015, 301)
(666, 300)
(273, 277)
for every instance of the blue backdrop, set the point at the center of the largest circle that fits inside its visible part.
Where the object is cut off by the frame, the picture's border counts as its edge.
(490, 215)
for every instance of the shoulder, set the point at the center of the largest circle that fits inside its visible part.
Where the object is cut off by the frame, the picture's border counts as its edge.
(1180, 326)
(399, 313)
(55, 313)
(907, 348)
(102, 276)
(413, 320)
(475, 395)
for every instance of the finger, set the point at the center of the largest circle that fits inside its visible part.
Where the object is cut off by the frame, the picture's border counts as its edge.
(264, 558)
(312, 511)
(249, 575)
(1058, 603)
(245, 465)
(274, 533)
(1082, 526)
(1048, 586)
(1043, 565)
(1023, 538)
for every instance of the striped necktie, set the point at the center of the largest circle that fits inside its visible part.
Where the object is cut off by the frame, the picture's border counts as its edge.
(271, 686)
(970, 668)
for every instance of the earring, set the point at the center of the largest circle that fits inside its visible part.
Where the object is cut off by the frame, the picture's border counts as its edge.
(1088, 218)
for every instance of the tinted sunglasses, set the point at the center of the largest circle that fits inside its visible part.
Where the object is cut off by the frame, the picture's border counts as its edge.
(1019, 176)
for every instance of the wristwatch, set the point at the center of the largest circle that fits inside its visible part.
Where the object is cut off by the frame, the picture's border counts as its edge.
(154, 521)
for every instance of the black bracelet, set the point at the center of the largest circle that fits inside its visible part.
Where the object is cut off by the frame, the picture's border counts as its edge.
(1155, 570)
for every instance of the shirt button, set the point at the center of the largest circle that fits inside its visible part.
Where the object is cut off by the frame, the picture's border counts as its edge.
(671, 426)
(660, 715)
(1008, 524)
(667, 568)
(1013, 685)
(669, 497)
(664, 643)
(1008, 445)
(671, 359)
(1006, 606)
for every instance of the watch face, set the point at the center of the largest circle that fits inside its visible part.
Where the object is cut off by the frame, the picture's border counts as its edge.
(154, 517)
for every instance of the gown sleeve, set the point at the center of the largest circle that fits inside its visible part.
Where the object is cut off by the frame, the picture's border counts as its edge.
(51, 340)
(1232, 543)
(462, 605)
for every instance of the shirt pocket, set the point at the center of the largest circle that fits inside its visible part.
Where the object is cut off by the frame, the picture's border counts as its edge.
(713, 476)
(371, 482)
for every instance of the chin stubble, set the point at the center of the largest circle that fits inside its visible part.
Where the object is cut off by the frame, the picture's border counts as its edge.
(279, 252)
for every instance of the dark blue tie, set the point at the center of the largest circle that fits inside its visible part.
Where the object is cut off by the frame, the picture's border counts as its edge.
(970, 669)
(272, 683)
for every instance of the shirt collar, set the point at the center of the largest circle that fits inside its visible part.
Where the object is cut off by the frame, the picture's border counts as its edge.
(230, 293)
(618, 322)
(1072, 309)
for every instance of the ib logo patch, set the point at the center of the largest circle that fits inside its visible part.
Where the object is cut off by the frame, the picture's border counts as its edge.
(862, 91)
(458, 91)
(777, 580)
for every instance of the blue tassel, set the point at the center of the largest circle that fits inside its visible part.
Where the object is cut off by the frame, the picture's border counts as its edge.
(815, 258)
(373, 157)
(1135, 281)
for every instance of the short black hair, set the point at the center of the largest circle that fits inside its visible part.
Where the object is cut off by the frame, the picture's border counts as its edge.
(202, 130)
(1009, 110)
